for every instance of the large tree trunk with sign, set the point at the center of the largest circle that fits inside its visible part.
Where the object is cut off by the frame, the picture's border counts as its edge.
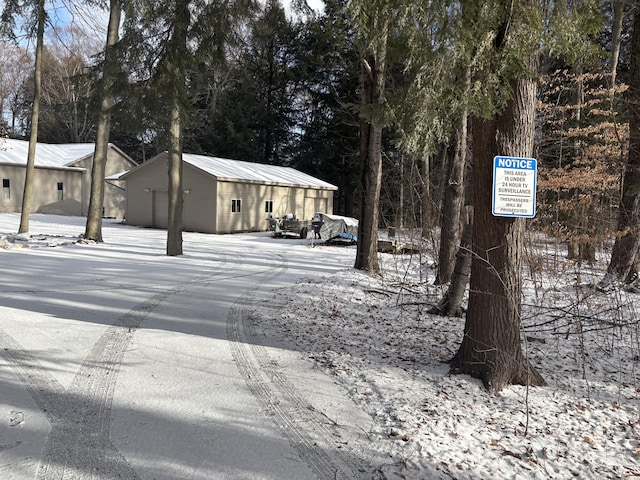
(491, 348)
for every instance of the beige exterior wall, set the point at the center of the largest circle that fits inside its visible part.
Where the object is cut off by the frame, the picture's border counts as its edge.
(300, 201)
(207, 202)
(76, 188)
(142, 186)
(45, 190)
(114, 192)
(147, 199)
(114, 200)
(200, 195)
(317, 201)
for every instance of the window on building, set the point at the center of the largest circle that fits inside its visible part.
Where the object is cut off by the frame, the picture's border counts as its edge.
(6, 188)
(236, 205)
(60, 191)
(268, 206)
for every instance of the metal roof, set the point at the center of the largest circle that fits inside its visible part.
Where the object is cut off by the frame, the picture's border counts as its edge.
(15, 152)
(236, 170)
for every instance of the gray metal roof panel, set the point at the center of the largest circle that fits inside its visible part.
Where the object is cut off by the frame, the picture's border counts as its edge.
(47, 155)
(236, 170)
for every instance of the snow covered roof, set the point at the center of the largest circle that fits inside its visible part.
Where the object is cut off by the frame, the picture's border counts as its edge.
(14, 152)
(234, 170)
(115, 176)
(225, 169)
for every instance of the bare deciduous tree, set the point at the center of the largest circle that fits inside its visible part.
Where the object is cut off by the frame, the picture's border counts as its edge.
(14, 69)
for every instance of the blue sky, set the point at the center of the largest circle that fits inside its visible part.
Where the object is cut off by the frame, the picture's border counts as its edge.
(65, 12)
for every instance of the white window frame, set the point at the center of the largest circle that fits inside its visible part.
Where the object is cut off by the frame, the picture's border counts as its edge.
(268, 206)
(236, 205)
(6, 188)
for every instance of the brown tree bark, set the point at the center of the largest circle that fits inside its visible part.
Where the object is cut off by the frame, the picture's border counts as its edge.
(174, 221)
(625, 257)
(451, 226)
(177, 79)
(93, 229)
(35, 115)
(451, 303)
(399, 220)
(425, 199)
(616, 34)
(372, 83)
(491, 347)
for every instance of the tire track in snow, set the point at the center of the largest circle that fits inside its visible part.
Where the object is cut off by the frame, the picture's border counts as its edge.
(304, 427)
(78, 446)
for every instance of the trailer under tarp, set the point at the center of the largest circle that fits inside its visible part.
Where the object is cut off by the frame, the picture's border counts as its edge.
(338, 229)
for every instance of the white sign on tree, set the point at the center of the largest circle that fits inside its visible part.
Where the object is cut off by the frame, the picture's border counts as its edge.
(514, 187)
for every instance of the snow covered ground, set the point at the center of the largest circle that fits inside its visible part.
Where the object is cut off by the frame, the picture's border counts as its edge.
(373, 338)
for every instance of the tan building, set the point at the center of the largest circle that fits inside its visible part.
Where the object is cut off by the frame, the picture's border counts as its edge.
(222, 195)
(62, 178)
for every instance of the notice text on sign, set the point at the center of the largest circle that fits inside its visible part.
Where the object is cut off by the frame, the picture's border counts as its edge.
(514, 187)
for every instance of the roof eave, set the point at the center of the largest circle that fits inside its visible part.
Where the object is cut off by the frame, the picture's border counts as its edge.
(45, 167)
(276, 184)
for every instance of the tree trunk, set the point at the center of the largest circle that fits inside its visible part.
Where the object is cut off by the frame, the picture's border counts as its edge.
(35, 114)
(174, 229)
(625, 257)
(93, 229)
(426, 203)
(491, 347)
(177, 77)
(367, 249)
(616, 34)
(585, 248)
(399, 223)
(372, 82)
(451, 303)
(450, 230)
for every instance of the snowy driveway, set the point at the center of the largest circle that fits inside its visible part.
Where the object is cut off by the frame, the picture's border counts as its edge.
(120, 362)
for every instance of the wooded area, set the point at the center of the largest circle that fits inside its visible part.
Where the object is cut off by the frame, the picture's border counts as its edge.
(400, 103)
